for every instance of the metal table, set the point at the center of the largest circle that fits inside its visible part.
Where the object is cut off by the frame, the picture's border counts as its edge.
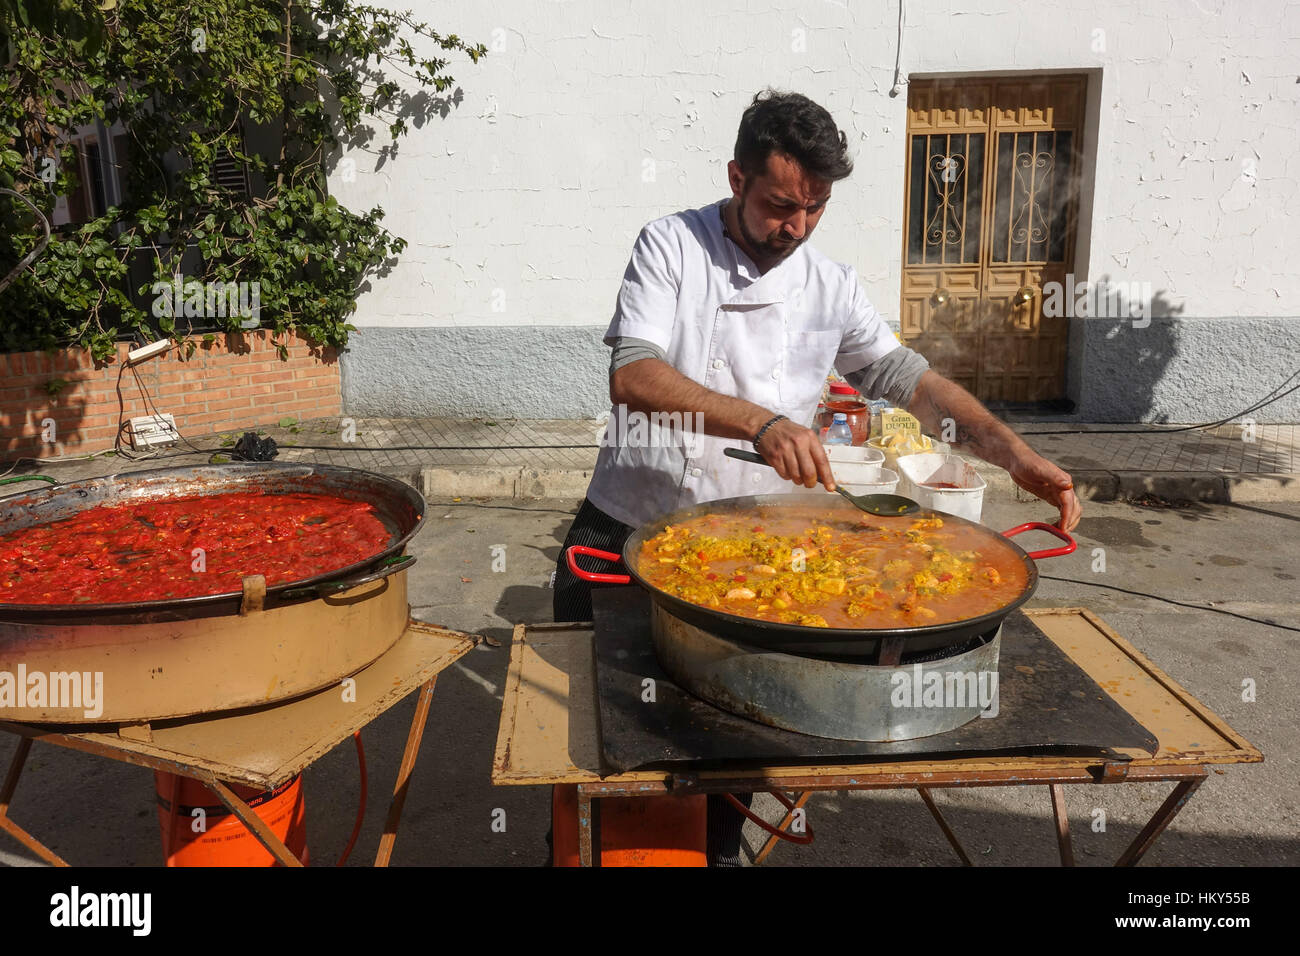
(263, 747)
(549, 735)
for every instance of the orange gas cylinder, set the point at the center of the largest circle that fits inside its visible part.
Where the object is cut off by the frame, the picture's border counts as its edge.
(634, 831)
(215, 836)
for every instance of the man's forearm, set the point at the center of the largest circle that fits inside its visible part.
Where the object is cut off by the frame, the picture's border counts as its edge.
(651, 385)
(950, 412)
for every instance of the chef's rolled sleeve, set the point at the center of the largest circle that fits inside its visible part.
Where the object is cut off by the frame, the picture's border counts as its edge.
(647, 300)
(893, 377)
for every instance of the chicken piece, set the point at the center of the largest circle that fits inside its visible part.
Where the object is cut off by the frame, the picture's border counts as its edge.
(831, 585)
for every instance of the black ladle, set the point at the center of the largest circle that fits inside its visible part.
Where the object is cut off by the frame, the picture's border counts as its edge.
(883, 505)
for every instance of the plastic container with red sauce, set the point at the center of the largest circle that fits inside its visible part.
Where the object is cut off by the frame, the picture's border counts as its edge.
(842, 392)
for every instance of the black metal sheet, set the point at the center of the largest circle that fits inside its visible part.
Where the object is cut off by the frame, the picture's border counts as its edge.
(1047, 706)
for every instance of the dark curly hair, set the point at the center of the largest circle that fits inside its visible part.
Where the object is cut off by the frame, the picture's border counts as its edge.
(791, 123)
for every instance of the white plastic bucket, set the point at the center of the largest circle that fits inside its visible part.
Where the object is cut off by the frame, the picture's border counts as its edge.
(854, 463)
(965, 501)
(878, 481)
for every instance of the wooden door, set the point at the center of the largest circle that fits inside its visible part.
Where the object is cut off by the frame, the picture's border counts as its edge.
(990, 215)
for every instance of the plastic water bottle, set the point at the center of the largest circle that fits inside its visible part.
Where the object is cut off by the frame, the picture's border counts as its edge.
(839, 433)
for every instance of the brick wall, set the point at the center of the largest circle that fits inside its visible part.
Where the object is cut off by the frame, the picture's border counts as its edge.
(236, 382)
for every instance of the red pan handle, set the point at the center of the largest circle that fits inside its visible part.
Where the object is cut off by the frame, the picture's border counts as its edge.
(592, 576)
(1071, 544)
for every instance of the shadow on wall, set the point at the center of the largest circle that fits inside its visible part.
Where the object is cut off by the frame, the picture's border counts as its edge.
(1115, 355)
(46, 413)
(413, 107)
(1119, 355)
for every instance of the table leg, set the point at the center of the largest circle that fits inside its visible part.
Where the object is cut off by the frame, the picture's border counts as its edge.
(7, 794)
(1161, 819)
(404, 771)
(1062, 824)
(785, 822)
(943, 825)
(249, 818)
(588, 828)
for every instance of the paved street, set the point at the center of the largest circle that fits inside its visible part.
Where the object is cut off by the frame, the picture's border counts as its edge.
(1239, 557)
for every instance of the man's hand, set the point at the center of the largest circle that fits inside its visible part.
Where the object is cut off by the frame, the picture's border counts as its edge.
(797, 455)
(945, 407)
(652, 385)
(1040, 477)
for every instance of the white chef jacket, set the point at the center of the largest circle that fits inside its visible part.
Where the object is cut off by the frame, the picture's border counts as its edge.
(768, 338)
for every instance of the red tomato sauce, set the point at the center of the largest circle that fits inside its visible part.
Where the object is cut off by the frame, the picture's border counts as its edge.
(118, 554)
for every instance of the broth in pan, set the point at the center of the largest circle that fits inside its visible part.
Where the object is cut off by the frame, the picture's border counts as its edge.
(819, 567)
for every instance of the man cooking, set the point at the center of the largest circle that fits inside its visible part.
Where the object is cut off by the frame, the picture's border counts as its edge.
(726, 311)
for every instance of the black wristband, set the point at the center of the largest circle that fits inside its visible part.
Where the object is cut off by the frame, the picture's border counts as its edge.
(762, 431)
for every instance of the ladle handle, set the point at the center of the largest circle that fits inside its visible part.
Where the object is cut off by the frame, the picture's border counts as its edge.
(749, 456)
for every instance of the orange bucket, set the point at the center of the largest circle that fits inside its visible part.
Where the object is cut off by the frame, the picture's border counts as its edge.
(634, 831)
(215, 836)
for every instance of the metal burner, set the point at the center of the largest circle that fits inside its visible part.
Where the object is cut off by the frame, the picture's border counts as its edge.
(825, 698)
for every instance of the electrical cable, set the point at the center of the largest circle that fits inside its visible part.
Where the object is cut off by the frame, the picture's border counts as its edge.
(361, 802)
(1157, 597)
(160, 456)
(121, 420)
(899, 82)
(1148, 429)
(150, 406)
(1267, 400)
(431, 447)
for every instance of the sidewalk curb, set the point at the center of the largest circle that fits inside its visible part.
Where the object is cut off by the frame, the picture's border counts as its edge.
(477, 481)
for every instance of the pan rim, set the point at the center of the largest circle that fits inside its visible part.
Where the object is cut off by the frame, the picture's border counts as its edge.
(396, 545)
(802, 633)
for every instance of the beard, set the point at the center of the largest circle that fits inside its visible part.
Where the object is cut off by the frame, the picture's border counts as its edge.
(771, 246)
